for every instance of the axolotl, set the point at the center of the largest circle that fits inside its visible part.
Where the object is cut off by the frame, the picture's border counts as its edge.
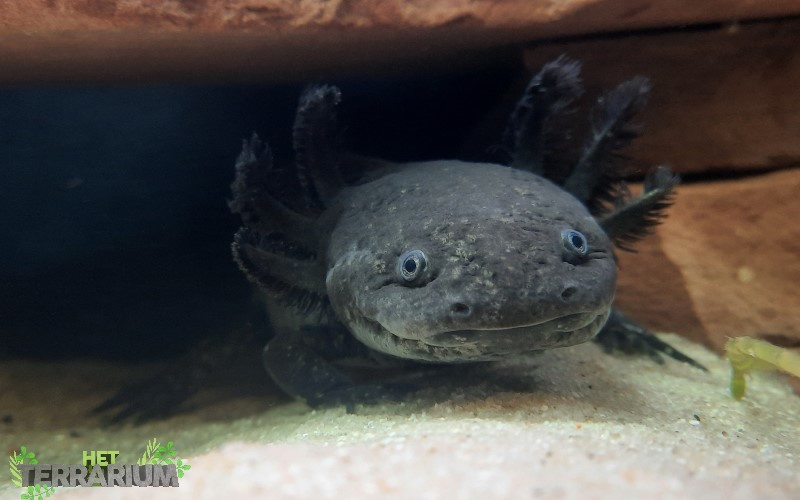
(447, 261)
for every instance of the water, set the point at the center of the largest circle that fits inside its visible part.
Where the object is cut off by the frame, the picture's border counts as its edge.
(116, 260)
(117, 232)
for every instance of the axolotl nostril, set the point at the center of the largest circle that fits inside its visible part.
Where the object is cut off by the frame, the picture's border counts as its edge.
(447, 261)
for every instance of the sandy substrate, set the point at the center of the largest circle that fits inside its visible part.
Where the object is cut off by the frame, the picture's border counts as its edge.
(569, 423)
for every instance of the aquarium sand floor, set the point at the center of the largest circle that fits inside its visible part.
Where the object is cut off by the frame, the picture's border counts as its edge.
(568, 423)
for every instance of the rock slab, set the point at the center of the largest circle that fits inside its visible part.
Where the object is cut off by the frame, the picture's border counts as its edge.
(45, 41)
(725, 263)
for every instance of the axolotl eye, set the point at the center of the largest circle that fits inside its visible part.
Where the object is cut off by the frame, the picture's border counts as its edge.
(574, 242)
(412, 265)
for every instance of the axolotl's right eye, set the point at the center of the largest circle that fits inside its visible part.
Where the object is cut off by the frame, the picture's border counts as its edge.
(576, 247)
(574, 242)
(412, 265)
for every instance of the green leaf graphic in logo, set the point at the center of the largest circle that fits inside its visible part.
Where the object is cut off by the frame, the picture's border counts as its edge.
(149, 452)
(165, 454)
(26, 457)
(16, 476)
(38, 492)
(157, 454)
(19, 459)
(181, 467)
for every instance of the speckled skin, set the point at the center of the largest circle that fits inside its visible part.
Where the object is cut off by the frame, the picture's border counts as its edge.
(498, 280)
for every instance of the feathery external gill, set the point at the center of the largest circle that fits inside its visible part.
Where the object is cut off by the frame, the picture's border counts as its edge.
(277, 247)
(633, 219)
(549, 93)
(317, 143)
(258, 208)
(296, 283)
(598, 172)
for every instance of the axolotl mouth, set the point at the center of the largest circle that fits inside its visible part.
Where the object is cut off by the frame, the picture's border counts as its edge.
(485, 344)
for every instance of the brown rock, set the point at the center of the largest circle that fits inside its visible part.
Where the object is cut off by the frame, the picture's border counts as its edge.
(722, 99)
(567, 16)
(273, 40)
(652, 290)
(726, 263)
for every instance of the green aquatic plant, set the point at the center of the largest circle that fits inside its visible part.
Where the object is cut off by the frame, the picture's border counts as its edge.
(747, 355)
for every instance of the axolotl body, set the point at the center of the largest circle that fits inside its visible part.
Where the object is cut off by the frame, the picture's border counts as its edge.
(446, 261)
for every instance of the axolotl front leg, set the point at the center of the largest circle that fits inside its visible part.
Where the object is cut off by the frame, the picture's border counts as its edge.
(303, 364)
(622, 334)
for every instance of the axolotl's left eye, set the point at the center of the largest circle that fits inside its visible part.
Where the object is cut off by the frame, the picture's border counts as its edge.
(412, 265)
(575, 242)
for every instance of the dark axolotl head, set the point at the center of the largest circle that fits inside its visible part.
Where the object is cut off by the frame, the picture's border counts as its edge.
(449, 261)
